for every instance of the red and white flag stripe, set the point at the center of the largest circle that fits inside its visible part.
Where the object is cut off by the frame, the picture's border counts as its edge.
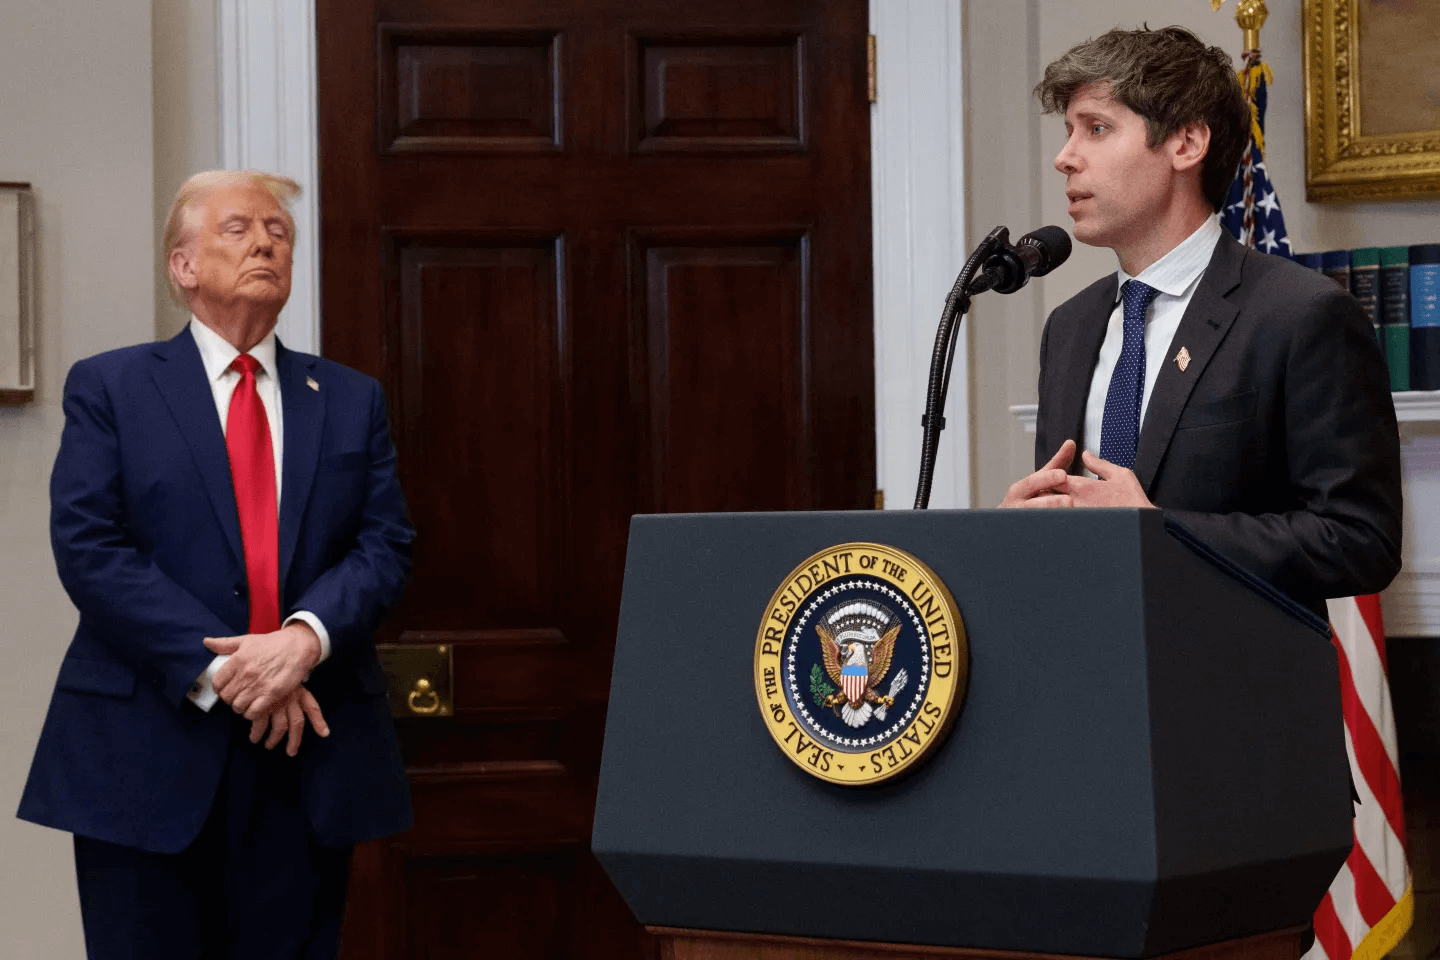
(1370, 904)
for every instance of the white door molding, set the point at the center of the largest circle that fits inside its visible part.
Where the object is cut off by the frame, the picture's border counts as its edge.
(266, 62)
(917, 170)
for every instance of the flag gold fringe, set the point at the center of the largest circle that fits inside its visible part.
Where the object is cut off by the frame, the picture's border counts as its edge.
(1250, 78)
(1383, 937)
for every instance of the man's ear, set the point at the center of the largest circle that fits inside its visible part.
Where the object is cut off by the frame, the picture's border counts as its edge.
(1189, 145)
(182, 268)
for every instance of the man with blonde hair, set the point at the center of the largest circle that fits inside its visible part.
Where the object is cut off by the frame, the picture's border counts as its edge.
(227, 518)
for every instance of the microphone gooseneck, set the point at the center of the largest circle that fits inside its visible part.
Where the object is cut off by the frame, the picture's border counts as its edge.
(995, 265)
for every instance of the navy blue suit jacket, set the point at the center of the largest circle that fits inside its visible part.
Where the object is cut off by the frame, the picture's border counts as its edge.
(147, 543)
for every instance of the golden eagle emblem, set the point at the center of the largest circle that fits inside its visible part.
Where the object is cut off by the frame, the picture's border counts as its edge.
(857, 642)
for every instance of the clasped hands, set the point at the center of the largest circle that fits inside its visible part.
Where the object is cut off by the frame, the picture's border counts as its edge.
(1053, 486)
(263, 678)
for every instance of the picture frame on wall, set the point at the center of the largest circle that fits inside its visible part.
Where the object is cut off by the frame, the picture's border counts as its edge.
(17, 294)
(1372, 99)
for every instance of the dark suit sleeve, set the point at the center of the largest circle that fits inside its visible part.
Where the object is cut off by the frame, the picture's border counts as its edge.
(149, 620)
(1342, 452)
(1042, 432)
(352, 596)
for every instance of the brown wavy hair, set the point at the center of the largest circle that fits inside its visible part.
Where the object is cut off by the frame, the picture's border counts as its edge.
(1171, 79)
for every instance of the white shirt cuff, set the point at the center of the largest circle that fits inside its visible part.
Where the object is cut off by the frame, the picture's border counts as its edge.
(202, 691)
(306, 617)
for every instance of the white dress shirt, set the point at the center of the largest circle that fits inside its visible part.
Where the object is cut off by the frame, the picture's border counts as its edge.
(1175, 277)
(217, 354)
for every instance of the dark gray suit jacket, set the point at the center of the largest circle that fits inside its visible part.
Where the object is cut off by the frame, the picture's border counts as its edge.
(1277, 444)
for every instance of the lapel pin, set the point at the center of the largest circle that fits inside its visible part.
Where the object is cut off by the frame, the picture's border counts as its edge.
(310, 381)
(1182, 359)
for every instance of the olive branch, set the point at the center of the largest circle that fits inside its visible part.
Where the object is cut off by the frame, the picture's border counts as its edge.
(819, 689)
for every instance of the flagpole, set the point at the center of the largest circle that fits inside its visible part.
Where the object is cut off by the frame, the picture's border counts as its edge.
(1370, 905)
(1252, 212)
(1250, 15)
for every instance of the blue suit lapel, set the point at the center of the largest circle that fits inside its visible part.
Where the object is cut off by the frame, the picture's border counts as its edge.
(180, 378)
(304, 411)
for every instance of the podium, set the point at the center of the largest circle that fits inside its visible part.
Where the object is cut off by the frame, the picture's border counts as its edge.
(1149, 760)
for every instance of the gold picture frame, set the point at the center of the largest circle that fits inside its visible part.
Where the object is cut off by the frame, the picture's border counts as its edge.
(1348, 159)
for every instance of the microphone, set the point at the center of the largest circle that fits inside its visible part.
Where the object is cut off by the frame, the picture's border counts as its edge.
(994, 265)
(1010, 267)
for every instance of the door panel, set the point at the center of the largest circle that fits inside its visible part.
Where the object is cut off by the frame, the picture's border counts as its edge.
(739, 94)
(724, 329)
(483, 397)
(606, 258)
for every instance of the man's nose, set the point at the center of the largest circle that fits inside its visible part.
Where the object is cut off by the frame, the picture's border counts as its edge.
(1067, 161)
(262, 242)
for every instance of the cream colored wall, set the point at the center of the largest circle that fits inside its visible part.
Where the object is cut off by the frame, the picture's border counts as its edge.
(104, 133)
(1003, 144)
(1012, 182)
(187, 125)
(76, 117)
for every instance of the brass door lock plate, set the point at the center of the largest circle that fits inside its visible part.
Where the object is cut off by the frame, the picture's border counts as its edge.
(420, 678)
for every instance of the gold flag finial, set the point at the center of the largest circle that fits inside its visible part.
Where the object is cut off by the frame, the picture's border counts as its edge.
(1250, 15)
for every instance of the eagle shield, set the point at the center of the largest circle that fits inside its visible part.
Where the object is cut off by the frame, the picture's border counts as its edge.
(857, 642)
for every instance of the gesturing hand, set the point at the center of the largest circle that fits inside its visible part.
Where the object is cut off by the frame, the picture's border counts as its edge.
(1116, 486)
(1046, 486)
(264, 668)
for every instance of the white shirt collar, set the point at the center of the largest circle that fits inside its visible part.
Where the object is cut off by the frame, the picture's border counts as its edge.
(1175, 272)
(217, 353)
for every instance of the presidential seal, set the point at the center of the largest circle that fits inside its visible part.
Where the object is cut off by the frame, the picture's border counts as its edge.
(860, 663)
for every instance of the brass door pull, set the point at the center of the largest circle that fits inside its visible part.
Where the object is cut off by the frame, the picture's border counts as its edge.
(419, 678)
(423, 692)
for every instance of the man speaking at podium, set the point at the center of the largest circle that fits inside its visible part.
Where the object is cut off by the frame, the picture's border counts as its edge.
(1239, 392)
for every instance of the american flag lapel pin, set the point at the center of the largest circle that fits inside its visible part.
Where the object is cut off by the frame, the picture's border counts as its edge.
(1182, 359)
(310, 381)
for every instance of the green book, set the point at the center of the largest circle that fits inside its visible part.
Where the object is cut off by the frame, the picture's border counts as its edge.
(1395, 313)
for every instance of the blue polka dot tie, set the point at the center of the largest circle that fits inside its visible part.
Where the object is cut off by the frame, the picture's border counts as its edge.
(1120, 428)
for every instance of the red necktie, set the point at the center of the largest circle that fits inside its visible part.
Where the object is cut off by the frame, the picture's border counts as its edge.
(252, 467)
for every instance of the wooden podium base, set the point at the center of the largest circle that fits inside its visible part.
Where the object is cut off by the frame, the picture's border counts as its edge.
(677, 944)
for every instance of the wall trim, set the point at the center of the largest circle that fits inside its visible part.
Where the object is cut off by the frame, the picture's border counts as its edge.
(917, 183)
(266, 59)
(1026, 413)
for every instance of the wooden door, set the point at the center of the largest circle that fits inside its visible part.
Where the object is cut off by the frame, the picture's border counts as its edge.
(607, 258)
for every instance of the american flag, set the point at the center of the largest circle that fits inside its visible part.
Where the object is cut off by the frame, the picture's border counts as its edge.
(1370, 904)
(1252, 210)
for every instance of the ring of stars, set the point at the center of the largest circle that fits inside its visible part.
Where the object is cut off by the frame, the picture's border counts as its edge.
(797, 702)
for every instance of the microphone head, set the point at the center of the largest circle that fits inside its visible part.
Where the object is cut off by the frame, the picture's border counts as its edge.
(1053, 245)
